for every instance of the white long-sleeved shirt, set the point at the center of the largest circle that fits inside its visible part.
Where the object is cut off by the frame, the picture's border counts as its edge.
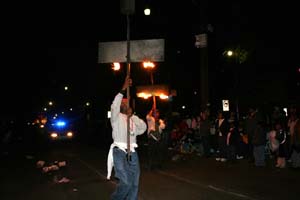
(119, 131)
(151, 124)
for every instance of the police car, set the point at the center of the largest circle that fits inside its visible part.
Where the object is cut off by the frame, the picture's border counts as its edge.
(60, 129)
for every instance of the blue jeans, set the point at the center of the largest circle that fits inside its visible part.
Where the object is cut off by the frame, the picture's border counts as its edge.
(128, 173)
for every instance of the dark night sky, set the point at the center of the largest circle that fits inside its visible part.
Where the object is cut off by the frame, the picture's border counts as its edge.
(50, 44)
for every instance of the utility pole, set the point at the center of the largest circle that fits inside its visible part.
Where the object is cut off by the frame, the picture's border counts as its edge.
(201, 43)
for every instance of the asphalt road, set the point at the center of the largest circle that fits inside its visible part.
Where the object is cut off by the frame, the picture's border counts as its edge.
(190, 178)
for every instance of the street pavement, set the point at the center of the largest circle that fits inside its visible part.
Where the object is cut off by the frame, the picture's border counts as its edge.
(189, 178)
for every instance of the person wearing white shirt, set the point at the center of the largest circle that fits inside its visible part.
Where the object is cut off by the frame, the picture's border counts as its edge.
(126, 166)
(155, 129)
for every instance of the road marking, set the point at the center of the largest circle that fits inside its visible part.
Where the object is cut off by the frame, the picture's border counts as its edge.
(228, 192)
(205, 186)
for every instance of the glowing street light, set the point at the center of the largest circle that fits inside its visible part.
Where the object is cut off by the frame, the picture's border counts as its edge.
(147, 11)
(229, 53)
(66, 88)
(50, 103)
(238, 53)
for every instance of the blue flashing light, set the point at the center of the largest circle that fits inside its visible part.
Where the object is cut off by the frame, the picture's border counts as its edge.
(60, 123)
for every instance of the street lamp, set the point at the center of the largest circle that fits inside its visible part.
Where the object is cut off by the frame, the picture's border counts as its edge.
(229, 53)
(240, 56)
(147, 11)
(238, 53)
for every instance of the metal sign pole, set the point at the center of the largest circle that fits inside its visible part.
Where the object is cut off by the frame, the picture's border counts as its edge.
(128, 89)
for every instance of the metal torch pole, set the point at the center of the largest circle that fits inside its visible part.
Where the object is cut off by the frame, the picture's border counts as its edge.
(154, 98)
(128, 89)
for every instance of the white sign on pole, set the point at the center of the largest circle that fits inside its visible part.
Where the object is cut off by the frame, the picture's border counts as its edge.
(108, 114)
(140, 50)
(225, 105)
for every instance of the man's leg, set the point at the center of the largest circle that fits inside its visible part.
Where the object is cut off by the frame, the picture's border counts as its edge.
(121, 168)
(134, 169)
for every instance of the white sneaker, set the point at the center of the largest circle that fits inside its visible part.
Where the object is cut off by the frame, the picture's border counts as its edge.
(218, 159)
(223, 159)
